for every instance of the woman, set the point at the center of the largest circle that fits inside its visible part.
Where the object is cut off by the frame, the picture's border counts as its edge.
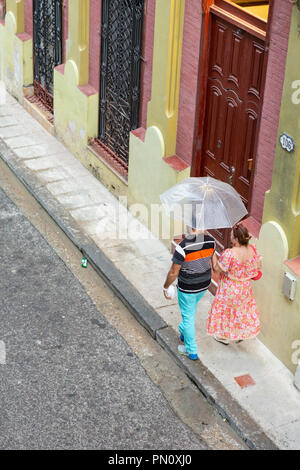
(233, 315)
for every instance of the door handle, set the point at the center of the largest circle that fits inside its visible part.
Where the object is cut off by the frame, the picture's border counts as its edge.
(230, 179)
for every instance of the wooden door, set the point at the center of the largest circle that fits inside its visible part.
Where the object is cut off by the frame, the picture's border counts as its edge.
(233, 104)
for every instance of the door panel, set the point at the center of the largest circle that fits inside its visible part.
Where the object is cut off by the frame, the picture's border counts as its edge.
(220, 141)
(256, 53)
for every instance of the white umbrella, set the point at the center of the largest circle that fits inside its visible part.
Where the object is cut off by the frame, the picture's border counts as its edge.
(204, 203)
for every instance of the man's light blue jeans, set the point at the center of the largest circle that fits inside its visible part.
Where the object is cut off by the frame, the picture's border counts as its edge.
(188, 306)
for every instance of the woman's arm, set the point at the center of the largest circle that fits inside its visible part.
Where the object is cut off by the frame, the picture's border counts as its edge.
(215, 264)
(258, 258)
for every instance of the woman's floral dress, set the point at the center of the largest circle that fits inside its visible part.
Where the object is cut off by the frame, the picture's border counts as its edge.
(233, 314)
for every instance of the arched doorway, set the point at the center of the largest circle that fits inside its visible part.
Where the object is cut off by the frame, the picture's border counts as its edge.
(231, 96)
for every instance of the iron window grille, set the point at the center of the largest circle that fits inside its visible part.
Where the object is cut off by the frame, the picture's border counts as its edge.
(47, 47)
(121, 49)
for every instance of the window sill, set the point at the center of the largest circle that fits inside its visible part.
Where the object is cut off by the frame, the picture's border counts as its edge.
(112, 162)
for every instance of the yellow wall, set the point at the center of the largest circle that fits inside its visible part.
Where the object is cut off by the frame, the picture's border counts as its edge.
(75, 111)
(282, 202)
(148, 174)
(16, 63)
(78, 40)
(280, 317)
(168, 36)
(279, 238)
(102, 171)
(16, 7)
(76, 114)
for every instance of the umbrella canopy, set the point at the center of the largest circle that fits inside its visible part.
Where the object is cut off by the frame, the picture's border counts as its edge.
(204, 203)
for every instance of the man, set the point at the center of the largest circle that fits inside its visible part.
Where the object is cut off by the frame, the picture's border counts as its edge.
(192, 267)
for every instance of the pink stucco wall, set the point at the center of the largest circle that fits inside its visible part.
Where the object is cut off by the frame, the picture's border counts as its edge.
(147, 63)
(95, 42)
(189, 77)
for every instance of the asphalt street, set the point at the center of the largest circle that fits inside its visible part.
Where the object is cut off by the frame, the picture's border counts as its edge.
(70, 380)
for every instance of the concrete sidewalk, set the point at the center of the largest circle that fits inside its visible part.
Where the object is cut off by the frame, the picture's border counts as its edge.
(267, 412)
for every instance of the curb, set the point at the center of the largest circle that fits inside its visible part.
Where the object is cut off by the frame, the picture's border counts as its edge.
(127, 293)
(145, 314)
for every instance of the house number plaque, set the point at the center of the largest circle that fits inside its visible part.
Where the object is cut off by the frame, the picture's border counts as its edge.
(287, 142)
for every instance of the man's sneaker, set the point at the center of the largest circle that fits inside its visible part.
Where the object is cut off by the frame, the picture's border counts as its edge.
(181, 337)
(221, 340)
(182, 350)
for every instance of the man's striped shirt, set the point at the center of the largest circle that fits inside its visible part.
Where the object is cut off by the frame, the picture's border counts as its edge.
(194, 254)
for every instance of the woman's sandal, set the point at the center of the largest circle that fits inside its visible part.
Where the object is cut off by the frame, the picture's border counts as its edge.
(220, 340)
